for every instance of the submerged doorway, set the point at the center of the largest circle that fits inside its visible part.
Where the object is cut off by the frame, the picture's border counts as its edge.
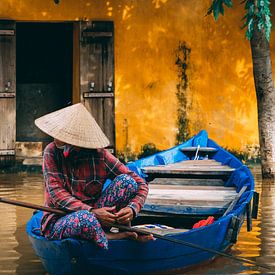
(44, 61)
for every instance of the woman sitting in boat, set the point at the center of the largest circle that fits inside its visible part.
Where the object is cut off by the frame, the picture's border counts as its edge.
(75, 168)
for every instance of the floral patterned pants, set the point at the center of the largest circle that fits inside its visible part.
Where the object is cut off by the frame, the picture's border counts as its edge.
(83, 224)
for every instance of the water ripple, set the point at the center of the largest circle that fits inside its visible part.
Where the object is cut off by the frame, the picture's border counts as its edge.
(17, 256)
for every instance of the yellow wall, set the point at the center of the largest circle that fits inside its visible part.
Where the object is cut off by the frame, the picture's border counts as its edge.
(221, 94)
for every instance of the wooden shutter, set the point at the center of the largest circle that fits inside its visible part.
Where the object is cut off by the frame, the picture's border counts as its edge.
(7, 92)
(97, 74)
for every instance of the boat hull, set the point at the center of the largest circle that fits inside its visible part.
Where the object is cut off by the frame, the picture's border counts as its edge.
(72, 256)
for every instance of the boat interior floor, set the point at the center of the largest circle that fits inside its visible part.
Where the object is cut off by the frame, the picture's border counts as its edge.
(187, 197)
(186, 192)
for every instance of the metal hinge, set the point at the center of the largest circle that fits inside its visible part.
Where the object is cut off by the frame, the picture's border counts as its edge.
(5, 95)
(7, 32)
(89, 95)
(7, 152)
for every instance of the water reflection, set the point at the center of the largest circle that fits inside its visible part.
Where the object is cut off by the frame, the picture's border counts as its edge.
(17, 256)
(267, 225)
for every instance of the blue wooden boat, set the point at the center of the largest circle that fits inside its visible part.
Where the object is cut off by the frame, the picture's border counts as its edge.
(199, 169)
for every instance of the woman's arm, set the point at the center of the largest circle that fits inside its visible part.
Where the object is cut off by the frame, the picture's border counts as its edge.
(114, 168)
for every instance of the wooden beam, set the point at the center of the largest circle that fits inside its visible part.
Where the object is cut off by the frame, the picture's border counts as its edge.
(189, 169)
(185, 209)
(188, 182)
(201, 149)
(195, 188)
(181, 196)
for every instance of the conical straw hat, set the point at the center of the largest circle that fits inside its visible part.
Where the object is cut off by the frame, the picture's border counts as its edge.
(73, 125)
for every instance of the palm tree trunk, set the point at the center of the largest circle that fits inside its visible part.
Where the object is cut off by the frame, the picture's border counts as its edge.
(262, 70)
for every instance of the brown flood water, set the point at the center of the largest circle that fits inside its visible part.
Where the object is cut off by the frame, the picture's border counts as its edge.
(17, 256)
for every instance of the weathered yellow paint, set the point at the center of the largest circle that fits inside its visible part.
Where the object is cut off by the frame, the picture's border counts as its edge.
(221, 94)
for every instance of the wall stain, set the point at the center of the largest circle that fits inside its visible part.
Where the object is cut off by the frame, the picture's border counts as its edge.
(151, 85)
(182, 63)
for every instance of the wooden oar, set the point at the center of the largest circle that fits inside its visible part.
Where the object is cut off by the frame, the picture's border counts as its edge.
(33, 206)
(139, 231)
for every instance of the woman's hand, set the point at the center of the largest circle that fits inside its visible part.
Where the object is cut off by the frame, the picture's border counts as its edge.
(105, 214)
(124, 215)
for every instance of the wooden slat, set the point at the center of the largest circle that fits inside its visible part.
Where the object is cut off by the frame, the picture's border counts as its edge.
(193, 167)
(186, 181)
(195, 188)
(198, 152)
(97, 66)
(109, 120)
(167, 209)
(109, 103)
(178, 169)
(186, 163)
(172, 168)
(7, 64)
(7, 124)
(209, 162)
(189, 169)
(8, 89)
(189, 203)
(184, 195)
(201, 149)
(207, 200)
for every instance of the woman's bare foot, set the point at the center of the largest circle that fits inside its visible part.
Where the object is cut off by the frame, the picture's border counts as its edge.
(122, 235)
(145, 238)
(129, 235)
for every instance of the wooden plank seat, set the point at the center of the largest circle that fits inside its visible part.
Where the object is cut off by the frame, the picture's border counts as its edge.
(188, 182)
(193, 151)
(201, 149)
(189, 169)
(181, 199)
(203, 162)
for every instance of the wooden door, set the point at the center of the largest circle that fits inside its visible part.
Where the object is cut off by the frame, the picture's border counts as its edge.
(7, 92)
(97, 74)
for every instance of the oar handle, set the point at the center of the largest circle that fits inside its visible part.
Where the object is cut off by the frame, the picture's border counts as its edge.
(33, 206)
